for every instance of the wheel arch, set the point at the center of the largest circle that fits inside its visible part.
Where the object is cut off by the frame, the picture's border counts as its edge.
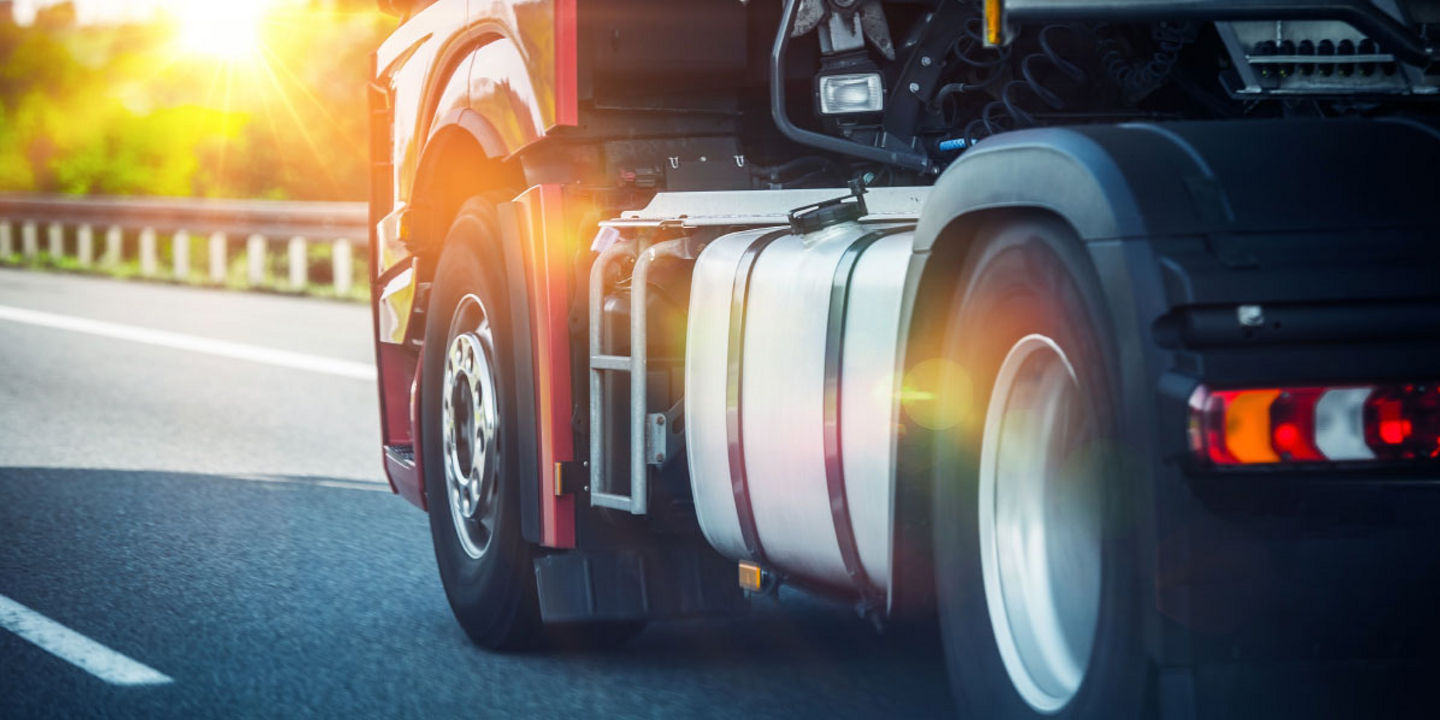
(459, 165)
(1112, 188)
(463, 158)
(1059, 174)
(938, 269)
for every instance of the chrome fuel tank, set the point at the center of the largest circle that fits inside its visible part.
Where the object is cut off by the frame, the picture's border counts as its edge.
(782, 472)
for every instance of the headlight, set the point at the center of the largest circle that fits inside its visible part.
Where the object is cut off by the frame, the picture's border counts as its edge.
(852, 93)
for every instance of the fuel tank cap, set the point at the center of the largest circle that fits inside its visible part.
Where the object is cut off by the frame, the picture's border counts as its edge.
(809, 218)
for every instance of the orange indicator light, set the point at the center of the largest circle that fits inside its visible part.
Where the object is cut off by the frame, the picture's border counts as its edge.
(993, 35)
(1247, 426)
(751, 576)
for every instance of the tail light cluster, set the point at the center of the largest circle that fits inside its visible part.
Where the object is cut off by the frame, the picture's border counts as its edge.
(1291, 425)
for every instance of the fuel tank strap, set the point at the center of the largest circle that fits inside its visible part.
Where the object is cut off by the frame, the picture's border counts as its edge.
(734, 374)
(834, 448)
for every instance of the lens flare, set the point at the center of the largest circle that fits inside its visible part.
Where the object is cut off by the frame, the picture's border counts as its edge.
(228, 31)
(920, 394)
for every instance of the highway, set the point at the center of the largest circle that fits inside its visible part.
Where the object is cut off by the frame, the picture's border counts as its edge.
(193, 522)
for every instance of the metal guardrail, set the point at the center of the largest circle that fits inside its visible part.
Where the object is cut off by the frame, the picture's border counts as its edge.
(148, 221)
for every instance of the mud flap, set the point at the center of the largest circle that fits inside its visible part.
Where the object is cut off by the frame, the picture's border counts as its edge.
(623, 584)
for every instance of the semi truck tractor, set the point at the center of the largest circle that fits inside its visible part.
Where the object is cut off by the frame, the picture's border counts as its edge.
(1104, 334)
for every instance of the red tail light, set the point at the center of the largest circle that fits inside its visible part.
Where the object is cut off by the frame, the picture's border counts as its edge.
(1292, 425)
(1401, 423)
(1288, 425)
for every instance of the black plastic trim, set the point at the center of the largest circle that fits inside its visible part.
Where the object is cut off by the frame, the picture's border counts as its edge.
(629, 584)
(1216, 326)
(518, 287)
(1365, 15)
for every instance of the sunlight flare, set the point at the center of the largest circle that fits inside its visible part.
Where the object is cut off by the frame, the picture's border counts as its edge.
(224, 31)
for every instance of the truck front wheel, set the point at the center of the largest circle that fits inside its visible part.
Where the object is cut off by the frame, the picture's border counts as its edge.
(1035, 571)
(467, 406)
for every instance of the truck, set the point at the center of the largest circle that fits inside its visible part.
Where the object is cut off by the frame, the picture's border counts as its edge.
(1103, 334)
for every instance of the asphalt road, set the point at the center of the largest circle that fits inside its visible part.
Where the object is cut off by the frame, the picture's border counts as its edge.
(224, 523)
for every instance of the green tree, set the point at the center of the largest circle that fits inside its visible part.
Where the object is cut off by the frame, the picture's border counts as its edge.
(116, 110)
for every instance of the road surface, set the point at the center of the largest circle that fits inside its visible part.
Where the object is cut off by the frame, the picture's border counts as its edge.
(193, 523)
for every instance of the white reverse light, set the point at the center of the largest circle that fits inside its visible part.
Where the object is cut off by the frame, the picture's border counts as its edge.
(854, 93)
(1340, 424)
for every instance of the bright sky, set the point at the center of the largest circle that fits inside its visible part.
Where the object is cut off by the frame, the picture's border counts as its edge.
(226, 30)
(98, 10)
(111, 10)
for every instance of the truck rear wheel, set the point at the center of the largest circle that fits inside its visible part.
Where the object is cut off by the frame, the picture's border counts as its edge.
(468, 427)
(1035, 572)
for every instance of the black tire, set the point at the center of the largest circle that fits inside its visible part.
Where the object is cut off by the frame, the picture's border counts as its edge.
(1026, 277)
(492, 596)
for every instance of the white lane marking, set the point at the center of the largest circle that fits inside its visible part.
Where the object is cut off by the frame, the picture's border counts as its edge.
(76, 649)
(371, 485)
(193, 343)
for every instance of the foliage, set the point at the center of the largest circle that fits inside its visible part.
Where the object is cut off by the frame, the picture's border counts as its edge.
(118, 109)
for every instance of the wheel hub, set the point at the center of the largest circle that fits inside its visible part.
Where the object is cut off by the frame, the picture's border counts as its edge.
(469, 416)
(1040, 523)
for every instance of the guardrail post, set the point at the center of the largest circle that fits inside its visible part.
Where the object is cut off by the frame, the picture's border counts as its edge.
(217, 258)
(55, 236)
(299, 264)
(85, 245)
(255, 259)
(180, 253)
(29, 243)
(163, 239)
(113, 240)
(341, 263)
(148, 260)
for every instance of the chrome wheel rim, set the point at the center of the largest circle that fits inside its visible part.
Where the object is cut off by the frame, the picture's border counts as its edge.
(1040, 520)
(470, 427)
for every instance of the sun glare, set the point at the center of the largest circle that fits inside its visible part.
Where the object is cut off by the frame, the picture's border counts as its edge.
(225, 30)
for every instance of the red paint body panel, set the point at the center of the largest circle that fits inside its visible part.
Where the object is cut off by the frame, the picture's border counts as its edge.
(516, 59)
(567, 63)
(396, 377)
(542, 220)
(543, 36)
(399, 427)
(503, 92)
(406, 480)
(414, 491)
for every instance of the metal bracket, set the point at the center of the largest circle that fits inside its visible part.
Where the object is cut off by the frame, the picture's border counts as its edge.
(570, 477)
(657, 439)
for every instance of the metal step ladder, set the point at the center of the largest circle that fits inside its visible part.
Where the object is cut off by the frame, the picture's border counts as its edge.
(648, 431)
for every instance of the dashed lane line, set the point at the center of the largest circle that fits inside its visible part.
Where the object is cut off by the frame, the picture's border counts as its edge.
(76, 649)
(192, 343)
(343, 484)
